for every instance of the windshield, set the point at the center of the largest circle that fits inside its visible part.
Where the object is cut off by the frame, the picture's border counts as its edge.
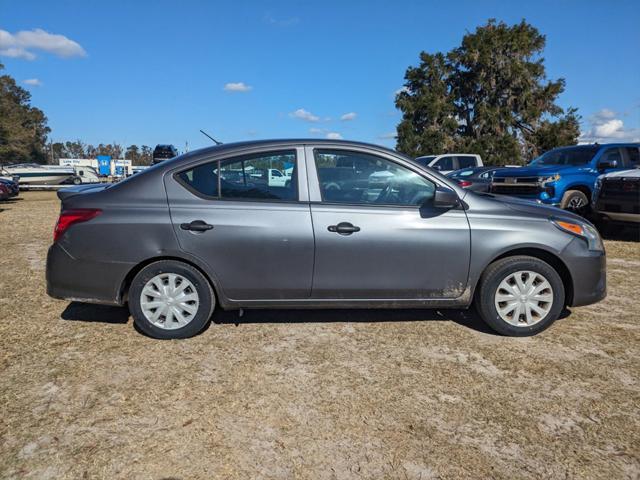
(566, 156)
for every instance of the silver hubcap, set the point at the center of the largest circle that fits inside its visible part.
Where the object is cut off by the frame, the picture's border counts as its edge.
(169, 301)
(524, 298)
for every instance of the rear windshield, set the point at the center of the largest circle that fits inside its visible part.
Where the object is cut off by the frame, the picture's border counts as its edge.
(566, 156)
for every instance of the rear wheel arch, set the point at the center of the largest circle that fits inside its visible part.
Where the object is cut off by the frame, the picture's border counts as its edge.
(123, 291)
(541, 254)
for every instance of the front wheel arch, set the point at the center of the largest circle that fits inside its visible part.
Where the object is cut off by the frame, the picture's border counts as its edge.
(545, 256)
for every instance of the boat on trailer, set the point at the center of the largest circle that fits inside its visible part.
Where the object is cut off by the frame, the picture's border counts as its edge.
(35, 174)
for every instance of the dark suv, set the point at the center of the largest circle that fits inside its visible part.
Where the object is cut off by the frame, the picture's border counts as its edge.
(163, 152)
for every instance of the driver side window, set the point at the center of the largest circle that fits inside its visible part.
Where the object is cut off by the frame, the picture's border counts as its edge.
(358, 178)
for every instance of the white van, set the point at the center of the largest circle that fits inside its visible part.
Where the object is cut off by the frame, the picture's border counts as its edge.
(85, 174)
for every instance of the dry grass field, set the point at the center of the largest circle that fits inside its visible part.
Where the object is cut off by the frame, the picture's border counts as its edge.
(309, 394)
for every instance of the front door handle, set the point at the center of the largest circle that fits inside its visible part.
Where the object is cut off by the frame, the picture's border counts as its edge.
(196, 226)
(343, 228)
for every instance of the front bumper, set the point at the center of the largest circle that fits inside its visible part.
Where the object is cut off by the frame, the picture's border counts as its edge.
(588, 272)
(88, 281)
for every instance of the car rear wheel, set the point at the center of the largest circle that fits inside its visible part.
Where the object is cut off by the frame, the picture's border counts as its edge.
(170, 299)
(520, 296)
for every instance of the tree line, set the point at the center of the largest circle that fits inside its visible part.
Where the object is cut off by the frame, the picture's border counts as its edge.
(488, 96)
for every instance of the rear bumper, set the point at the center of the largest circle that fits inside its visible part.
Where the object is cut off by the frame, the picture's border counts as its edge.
(588, 273)
(84, 280)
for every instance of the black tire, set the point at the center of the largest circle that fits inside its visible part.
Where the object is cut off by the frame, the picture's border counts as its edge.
(206, 298)
(500, 270)
(575, 201)
(77, 180)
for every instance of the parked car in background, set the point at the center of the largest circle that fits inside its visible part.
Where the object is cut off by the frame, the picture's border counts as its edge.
(12, 186)
(616, 199)
(477, 179)
(565, 177)
(394, 234)
(163, 152)
(4, 192)
(449, 162)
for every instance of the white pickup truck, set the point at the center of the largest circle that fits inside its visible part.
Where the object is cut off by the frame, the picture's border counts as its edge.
(449, 162)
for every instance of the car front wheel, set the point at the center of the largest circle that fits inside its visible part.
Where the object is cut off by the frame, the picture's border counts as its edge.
(170, 299)
(520, 296)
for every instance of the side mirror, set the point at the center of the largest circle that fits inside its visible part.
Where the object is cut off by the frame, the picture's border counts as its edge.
(606, 164)
(445, 198)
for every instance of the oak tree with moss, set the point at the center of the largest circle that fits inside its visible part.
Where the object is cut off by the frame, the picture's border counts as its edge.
(488, 96)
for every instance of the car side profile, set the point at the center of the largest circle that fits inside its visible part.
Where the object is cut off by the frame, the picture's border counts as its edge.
(358, 226)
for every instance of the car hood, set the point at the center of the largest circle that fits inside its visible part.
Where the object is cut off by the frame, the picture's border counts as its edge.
(542, 171)
(531, 208)
(633, 173)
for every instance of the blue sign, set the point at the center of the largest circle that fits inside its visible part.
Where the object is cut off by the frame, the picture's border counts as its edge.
(104, 164)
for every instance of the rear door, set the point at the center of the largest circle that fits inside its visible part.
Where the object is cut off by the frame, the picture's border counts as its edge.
(256, 238)
(373, 238)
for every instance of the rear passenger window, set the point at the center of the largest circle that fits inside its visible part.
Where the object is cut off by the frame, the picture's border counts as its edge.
(633, 157)
(245, 178)
(466, 161)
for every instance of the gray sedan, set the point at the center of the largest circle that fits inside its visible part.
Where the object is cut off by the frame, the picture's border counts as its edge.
(354, 226)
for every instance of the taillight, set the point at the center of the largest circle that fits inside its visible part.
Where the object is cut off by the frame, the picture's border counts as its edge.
(71, 216)
(465, 183)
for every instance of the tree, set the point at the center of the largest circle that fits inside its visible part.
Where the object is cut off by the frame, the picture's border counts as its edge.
(489, 96)
(133, 153)
(75, 149)
(23, 128)
(146, 155)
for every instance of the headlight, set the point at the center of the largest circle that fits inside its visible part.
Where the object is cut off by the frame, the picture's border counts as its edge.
(582, 230)
(552, 178)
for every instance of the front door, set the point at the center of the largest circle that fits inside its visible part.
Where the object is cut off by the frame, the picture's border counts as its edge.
(255, 237)
(377, 237)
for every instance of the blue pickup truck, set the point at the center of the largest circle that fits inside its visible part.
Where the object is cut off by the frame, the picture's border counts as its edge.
(565, 177)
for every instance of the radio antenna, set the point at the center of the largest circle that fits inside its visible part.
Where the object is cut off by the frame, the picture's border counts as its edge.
(210, 137)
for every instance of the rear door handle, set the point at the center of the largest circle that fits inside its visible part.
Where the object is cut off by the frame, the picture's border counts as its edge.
(343, 228)
(196, 226)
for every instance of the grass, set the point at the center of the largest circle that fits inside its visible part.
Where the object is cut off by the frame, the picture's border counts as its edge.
(310, 395)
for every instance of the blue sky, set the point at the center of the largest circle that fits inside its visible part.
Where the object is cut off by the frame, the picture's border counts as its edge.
(155, 72)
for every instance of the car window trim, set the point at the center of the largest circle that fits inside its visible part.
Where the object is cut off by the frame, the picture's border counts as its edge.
(242, 156)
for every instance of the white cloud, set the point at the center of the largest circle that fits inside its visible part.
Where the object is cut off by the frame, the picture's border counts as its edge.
(604, 127)
(349, 116)
(334, 136)
(280, 22)
(316, 131)
(237, 87)
(305, 115)
(21, 44)
(34, 82)
(388, 136)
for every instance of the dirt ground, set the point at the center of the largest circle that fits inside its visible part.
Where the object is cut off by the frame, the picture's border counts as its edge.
(309, 394)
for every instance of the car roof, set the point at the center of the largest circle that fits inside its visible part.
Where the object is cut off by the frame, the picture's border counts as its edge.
(599, 145)
(287, 142)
